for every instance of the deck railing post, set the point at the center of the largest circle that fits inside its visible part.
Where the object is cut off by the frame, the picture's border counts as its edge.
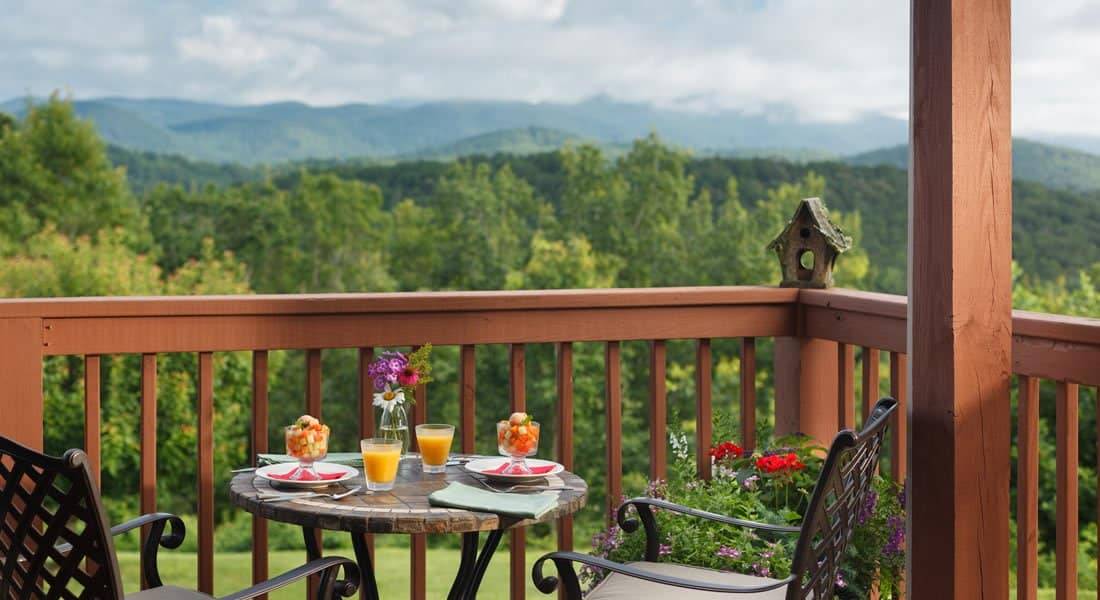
(805, 387)
(21, 395)
(960, 299)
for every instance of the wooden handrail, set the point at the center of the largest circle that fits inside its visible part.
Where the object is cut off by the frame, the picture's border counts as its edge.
(393, 302)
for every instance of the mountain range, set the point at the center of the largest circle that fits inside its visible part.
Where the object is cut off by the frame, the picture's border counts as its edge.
(290, 131)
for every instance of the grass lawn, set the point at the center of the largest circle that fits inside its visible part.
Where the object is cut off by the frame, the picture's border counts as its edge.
(233, 571)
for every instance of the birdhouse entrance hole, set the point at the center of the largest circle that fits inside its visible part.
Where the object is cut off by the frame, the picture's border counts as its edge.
(805, 264)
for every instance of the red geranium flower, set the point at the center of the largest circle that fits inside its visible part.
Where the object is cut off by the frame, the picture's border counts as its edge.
(779, 462)
(726, 450)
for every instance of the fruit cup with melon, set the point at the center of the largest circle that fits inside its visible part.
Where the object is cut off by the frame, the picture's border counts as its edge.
(518, 438)
(307, 440)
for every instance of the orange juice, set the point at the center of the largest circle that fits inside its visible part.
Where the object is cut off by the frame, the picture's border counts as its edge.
(435, 446)
(380, 460)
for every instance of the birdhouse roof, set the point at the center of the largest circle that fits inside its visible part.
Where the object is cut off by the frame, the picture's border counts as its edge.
(814, 209)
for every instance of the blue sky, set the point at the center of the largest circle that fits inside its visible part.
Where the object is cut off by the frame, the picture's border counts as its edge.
(828, 60)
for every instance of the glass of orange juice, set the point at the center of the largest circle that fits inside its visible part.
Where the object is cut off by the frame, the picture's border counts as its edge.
(381, 457)
(435, 446)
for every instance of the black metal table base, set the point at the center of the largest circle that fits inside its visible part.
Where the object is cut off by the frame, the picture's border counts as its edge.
(471, 569)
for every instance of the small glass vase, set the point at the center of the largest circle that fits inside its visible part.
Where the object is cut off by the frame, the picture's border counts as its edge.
(394, 425)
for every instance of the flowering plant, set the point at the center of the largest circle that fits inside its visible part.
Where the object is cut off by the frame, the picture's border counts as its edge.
(395, 375)
(773, 486)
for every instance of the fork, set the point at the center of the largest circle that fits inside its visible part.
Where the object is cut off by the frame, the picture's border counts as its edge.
(333, 496)
(533, 487)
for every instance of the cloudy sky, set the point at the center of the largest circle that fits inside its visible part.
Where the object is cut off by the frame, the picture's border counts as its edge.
(828, 60)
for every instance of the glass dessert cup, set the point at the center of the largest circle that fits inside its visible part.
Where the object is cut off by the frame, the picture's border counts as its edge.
(517, 442)
(308, 446)
(434, 442)
(381, 457)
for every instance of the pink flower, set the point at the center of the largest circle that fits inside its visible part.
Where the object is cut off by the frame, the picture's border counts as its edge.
(408, 377)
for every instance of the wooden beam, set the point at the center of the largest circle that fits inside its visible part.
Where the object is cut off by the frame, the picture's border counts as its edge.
(960, 284)
(806, 383)
(658, 411)
(21, 399)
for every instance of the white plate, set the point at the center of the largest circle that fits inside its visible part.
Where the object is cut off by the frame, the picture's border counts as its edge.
(480, 466)
(345, 471)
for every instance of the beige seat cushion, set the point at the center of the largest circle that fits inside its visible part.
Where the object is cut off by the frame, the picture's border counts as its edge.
(623, 587)
(168, 592)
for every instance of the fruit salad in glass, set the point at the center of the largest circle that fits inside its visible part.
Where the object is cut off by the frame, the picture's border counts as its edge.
(307, 440)
(518, 438)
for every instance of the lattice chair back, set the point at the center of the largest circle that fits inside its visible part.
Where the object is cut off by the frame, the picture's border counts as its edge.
(54, 537)
(833, 513)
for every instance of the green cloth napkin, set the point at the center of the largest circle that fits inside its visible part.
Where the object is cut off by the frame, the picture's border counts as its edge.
(527, 506)
(351, 459)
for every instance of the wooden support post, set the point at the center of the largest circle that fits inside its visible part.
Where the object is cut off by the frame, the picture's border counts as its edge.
(21, 395)
(960, 288)
(805, 388)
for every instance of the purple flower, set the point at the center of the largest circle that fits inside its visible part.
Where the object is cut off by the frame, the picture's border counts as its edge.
(868, 507)
(664, 550)
(728, 552)
(762, 571)
(897, 536)
(386, 368)
(840, 583)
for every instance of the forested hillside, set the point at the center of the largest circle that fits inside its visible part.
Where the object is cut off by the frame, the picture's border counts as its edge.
(72, 224)
(1053, 166)
(1053, 234)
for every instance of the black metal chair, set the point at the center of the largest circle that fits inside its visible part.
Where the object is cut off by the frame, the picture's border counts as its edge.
(830, 520)
(55, 542)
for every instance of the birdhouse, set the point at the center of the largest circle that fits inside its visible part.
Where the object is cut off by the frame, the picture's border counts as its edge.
(808, 247)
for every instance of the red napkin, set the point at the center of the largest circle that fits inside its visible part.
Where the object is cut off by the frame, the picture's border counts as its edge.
(291, 475)
(534, 470)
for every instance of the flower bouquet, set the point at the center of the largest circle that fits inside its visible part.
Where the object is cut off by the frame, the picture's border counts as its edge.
(395, 376)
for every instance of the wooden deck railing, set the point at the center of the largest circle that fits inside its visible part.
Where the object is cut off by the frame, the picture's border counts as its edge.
(831, 331)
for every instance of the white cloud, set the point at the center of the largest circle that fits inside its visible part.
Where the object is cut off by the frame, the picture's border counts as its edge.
(825, 60)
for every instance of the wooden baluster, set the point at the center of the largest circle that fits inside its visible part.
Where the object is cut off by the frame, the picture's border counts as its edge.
(1027, 491)
(870, 380)
(259, 445)
(846, 386)
(467, 389)
(92, 414)
(517, 389)
(366, 415)
(614, 394)
(748, 393)
(1066, 511)
(658, 411)
(148, 467)
(206, 472)
(703, 408)
(565, 432)
(313, 407)
(418, 543)
(899, 370)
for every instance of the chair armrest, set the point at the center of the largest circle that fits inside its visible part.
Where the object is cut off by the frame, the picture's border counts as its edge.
(644, 507)
(563, 561)
(330, 588)
(157, 538)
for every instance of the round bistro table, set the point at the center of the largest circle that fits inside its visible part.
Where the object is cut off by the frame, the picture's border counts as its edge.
(404, 510)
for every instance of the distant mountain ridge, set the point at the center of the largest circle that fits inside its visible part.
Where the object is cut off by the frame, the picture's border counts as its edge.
(1052, 166)
(289, 131)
